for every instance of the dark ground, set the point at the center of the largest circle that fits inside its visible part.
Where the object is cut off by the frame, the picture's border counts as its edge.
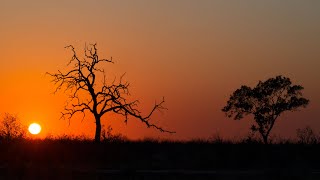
(73, 159)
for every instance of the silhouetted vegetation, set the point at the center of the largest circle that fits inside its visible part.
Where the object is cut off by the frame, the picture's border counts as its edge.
(88, 96)
(67, 157)
(307, 136)
(108, 136)
(117, 157)
(11, 128)
(266, 102)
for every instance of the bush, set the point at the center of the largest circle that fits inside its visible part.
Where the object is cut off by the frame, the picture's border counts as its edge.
(306, 136)
(108, 136)
(216, 138)
(11, 128)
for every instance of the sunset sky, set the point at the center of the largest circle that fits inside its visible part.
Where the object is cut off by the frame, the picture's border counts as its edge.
(193, 53)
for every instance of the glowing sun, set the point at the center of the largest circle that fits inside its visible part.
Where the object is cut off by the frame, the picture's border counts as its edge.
(34, 128)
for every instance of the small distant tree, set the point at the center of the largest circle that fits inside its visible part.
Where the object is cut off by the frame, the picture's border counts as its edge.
(306, 136)
(11, 128)
(266, 102)
(89, 96)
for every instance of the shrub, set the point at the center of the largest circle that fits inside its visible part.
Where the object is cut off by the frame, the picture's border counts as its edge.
(108, 136)
(11, 128)
(306, 136)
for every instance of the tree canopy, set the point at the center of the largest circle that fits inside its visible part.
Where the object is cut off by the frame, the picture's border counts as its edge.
(266, 102)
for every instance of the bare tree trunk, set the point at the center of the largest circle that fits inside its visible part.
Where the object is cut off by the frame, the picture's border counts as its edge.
(81, 78)
(265, 139)
(98, 130)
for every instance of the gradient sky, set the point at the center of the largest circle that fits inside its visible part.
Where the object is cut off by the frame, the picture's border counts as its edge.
(194, 53)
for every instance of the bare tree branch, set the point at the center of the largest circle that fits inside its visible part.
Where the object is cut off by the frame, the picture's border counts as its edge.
(80, 81)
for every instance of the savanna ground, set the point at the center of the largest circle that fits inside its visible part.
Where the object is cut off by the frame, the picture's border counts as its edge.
(68, 157)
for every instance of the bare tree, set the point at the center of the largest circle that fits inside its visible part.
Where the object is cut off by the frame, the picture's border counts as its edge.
(266, 102)
(11, 128)
(88, 96)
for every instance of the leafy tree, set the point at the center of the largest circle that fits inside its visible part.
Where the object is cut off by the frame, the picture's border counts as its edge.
(266, 102)
(11, 128)
(89, 96)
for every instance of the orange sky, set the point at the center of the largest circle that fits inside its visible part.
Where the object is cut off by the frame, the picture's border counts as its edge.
(194, 53)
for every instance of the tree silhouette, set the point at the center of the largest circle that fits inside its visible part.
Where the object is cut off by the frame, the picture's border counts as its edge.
(266, 102)
(11, 128)
(86, 95)
(307, 136)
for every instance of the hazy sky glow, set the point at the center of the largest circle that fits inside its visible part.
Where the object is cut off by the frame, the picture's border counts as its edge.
(194, 53)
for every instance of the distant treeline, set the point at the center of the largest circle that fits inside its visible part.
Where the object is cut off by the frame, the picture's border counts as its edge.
(11, 129)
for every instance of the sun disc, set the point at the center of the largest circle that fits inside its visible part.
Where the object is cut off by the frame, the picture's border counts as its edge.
(34, 128)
